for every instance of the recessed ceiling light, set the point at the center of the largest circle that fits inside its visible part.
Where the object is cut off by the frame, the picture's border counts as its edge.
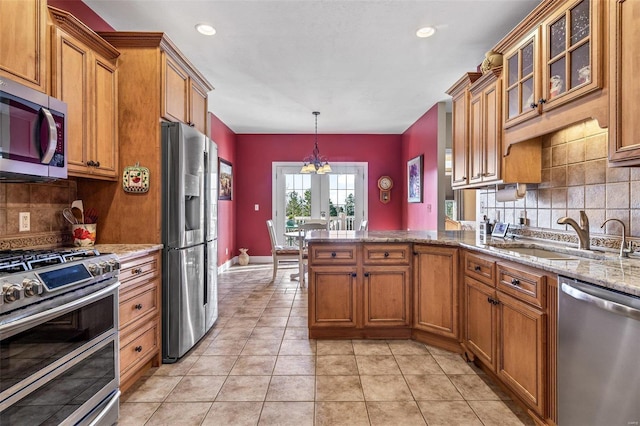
(425, 32)
(205, 29)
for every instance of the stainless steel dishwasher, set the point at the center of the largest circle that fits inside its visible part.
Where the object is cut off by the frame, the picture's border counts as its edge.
(598, 356)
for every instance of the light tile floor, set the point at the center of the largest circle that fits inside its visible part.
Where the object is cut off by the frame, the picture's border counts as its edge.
(257, 366)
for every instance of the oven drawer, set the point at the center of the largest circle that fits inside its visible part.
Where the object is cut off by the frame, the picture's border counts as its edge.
(133, 269)
(139, 348)
(138, 303)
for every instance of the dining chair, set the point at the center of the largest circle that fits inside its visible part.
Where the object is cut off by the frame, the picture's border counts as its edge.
(311, 225)
(364, 225)
(279, 252)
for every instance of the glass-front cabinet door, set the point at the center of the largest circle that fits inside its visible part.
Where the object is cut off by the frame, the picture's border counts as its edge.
(522, 80)
(571, 53)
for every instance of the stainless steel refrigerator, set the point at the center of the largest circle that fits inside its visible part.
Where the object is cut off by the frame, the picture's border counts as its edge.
(189, 281)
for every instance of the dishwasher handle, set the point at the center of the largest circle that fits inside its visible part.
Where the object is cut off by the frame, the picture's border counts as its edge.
(607, 305)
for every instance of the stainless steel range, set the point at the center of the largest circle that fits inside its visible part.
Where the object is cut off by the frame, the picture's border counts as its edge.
(59, 348)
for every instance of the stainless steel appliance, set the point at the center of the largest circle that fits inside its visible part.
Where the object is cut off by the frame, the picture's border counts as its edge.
(59, 351)
(598, 347)
(189, 291)
(33, 142)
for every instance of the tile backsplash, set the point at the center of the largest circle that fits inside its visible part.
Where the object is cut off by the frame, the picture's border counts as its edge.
(44, 202)
(575, 176)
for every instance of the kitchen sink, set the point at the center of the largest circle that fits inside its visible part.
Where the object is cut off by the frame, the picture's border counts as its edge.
(548, 252)
(541, 253)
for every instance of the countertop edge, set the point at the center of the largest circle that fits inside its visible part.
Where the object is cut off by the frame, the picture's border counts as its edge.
(622, 275)
(125, 251)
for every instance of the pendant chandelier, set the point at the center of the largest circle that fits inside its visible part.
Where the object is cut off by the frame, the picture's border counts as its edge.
(315, 163)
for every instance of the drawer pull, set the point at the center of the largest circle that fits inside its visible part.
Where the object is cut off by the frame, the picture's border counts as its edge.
(515, 281)
(477, 268)
(386, 254)
(138, 306)
(138, 349)
(366, 274)
(333, 254)
(353, 274)
(136, 271)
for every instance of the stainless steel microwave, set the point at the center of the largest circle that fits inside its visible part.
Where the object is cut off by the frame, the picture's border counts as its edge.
(33, 135)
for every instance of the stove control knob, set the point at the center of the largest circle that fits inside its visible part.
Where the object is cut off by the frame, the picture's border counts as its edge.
(105, 267)
(94, 269)
(10, 292)
(31, 287)
(115, 265)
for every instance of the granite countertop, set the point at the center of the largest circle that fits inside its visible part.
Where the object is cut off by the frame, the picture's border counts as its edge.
(602, 268)
(126, 250)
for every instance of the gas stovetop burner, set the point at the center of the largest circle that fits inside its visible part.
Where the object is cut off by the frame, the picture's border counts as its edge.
(27, 276)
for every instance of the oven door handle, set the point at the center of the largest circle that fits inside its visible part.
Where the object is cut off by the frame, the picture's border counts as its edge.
(58, 310)
(114, 400)
(52, 141)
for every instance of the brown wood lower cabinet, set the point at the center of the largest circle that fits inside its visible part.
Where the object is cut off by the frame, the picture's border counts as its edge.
(139, 316)
(359, 290)
(435, 296)
(501, 314)
(506, 328)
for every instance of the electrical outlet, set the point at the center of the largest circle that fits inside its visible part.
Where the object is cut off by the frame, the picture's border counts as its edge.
(256, 207)
(24, 221)
(226, 251)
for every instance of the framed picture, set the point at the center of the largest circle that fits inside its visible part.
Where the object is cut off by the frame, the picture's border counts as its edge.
(225, 184)
(414, 179)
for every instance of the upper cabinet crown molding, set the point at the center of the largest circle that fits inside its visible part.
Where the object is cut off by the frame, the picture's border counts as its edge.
(77, 29)
(160, 40)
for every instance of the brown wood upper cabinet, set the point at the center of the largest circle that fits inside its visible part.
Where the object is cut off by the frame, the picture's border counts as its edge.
(23, 42)
(555, 56)
(460, 128)
(83, 74)
(558, 62)
(478, 158)
(485, 136)
(624, 127)
(184, 99)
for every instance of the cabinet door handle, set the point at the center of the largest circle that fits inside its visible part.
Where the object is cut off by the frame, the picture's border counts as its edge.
(138, 306)
(366, 274)
(490, 300)
(138, 349)
(477, 268)
(464, 178)
(515, 281)
(386, 254)
(333, 254)
(353, 274)
(97, 164)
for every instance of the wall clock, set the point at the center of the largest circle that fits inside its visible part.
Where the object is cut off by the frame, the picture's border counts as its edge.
(385, 184)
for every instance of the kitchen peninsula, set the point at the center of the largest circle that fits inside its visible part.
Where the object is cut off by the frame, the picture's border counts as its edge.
(492, 303)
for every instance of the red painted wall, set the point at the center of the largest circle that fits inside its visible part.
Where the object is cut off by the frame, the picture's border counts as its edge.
(253, 173)
(226, 140)
(422, 138)
(83, 12)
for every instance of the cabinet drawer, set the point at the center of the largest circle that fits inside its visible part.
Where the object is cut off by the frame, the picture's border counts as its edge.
(138, 267)
(138, 303)
(524, 284)
(343, 254)
(140, 348)
(481, 268)
(383, 254)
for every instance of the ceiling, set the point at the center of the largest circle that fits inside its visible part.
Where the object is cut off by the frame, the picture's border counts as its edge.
(358, 62)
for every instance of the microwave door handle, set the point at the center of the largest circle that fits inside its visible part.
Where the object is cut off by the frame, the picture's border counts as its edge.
(53, 137)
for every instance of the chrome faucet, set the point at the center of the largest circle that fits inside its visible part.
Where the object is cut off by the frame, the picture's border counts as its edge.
(584, 241)
(625, 249)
